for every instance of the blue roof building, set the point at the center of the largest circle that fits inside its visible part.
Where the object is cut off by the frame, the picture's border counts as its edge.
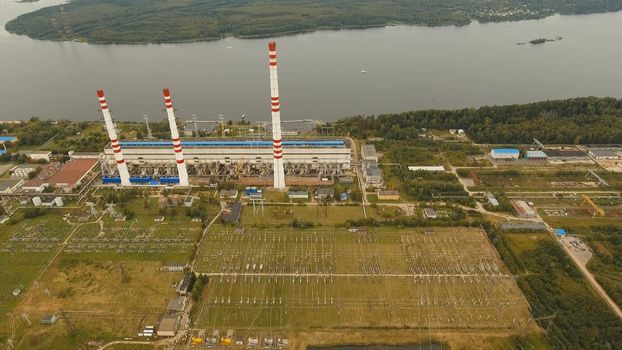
(504, 153)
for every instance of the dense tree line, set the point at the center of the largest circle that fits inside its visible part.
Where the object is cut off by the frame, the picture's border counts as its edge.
(606, 263)
(554, 286)
(572, 121)
(139, 21)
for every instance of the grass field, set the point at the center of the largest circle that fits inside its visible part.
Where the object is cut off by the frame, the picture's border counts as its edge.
(102, 300)
(280, 280)
(105, 277)
(25, 248)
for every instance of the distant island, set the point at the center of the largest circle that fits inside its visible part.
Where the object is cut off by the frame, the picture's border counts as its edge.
(163, 21)
(541, 41)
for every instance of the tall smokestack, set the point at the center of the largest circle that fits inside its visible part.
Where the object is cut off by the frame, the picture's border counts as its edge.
(114, 140)
(277, 148)
(179, 154)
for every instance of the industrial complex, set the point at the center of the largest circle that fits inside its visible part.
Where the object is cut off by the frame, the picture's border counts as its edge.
(267, 239)
(139, 163)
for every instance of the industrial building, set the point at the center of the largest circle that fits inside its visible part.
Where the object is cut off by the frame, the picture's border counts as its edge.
(372, 173)
(150, 161)
(603, 153)
(491, 199)
(168, 326)
(38, 155)
(10, 185)
(504, 153)
(324, 193)
(298, 195)
(368, 153)
(535, 155)
(523, 210)
(430, 213)
(187, 282)
(174, 161)
(23, 170)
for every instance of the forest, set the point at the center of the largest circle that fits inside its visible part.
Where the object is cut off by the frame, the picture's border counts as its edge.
(147, 21)
(577, 317)
(585, 120)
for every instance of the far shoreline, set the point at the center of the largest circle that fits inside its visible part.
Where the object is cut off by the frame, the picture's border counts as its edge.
(300, 32)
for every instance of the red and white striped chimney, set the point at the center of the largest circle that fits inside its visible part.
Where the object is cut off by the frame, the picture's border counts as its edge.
(114, 140)
(179, 154)
(275, 103)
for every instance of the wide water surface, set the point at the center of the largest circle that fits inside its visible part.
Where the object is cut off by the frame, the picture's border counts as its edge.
(320, 73)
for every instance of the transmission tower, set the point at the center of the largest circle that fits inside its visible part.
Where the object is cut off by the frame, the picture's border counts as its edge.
(149, 134)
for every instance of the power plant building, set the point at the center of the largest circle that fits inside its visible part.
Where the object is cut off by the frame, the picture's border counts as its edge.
(166, 162)
(220, 158)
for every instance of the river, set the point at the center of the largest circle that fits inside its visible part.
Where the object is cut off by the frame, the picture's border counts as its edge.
(407, 67)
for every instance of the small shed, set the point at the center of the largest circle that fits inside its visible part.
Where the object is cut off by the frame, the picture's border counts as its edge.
(48, 319)
(346, 179)
(430, 213)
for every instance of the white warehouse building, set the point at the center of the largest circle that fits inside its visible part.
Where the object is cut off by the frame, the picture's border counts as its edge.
(504, 153)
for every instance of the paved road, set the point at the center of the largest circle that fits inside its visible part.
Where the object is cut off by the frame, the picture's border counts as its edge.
(581, 264)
